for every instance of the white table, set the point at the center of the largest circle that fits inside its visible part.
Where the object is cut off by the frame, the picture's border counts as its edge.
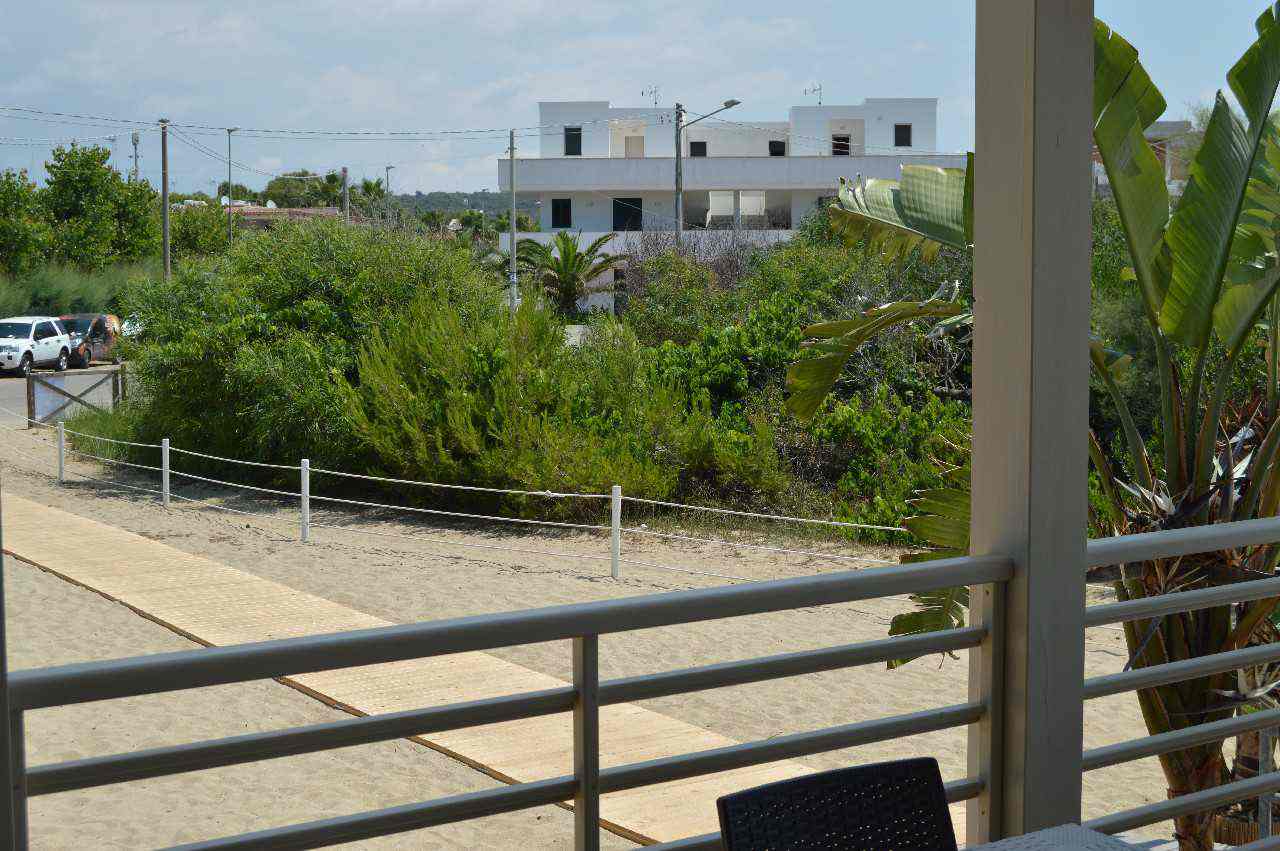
(1069, 837)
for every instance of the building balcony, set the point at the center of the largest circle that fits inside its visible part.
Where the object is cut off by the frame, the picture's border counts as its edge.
(563, 174)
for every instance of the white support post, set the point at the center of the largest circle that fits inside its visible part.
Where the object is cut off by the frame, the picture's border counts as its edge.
(62, 452)
(305, 493)
(615, 530)
(164, 471)
(1030, 407)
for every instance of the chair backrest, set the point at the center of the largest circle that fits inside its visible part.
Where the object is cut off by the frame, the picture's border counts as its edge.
(888, 806)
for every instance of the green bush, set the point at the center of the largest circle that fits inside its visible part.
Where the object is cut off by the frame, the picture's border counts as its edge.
(57, 289)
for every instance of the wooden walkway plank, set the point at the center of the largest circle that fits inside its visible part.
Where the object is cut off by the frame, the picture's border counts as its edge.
(218, 605)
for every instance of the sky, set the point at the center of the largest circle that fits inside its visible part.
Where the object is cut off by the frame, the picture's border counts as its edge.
(467, 65)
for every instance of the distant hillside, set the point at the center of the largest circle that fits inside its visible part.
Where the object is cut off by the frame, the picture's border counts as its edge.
(490, 203)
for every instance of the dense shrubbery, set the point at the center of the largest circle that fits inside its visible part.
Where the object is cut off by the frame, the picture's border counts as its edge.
(387, 352)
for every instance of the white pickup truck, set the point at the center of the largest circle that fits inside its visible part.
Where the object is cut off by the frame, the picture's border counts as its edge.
(30, 341)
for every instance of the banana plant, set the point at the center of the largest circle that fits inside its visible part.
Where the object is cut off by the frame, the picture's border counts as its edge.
(1205, 273)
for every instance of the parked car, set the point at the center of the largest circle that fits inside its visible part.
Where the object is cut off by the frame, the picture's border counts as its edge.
(93, 336)
(30, 341)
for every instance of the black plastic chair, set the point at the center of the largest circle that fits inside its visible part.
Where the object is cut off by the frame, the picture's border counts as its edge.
(888, 806)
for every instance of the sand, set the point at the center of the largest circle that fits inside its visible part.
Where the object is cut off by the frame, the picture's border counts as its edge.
(405, 580)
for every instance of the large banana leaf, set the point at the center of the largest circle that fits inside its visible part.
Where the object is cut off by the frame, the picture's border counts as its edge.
(930, 208)
(1126, 103)
(1203, 227)
(943, 523)
(809, 380)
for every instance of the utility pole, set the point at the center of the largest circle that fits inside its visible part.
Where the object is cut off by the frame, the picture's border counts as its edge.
(679, 173)
(230, 195)
(512, 277)
(137, 137)
(386, 183)
(346, 197)
(164, 192)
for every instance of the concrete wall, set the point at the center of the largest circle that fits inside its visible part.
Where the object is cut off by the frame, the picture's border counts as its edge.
(592, 116)
(811, 125)
(656, 174)
(726, 140)
(594, 211)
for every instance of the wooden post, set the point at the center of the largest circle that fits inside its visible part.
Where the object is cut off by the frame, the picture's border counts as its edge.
(1030, 404)
(31, 401)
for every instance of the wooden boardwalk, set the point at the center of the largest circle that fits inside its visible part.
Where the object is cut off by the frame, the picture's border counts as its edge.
(214, 605)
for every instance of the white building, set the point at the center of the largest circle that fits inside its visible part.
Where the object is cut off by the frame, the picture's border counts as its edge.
(600, 168)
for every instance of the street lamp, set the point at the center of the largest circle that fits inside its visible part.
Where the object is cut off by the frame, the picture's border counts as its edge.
(680, 125)
(230, 194)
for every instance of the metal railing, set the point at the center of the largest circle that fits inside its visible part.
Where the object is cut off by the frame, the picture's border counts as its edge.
(583, 624)
(1168, 544)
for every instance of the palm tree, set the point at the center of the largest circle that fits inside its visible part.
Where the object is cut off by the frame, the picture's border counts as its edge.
(1205, 275)
(566, 271)
(372, 188)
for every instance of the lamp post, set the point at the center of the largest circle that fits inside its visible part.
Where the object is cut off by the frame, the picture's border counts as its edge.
(230, 194)
(680, 125)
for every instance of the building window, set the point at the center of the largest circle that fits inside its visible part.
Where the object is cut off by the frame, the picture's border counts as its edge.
(840, 145)
(902, 135)
(573, 141)
(561, 213)
(628, 214)
(777, 148)
(697, 149)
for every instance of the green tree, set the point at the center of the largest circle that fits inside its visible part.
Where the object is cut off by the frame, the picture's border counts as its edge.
(292, 189)
(80, 200)
(137, 222)
(24, 234)
(1204, 276)
(565, 270)
(240, 192)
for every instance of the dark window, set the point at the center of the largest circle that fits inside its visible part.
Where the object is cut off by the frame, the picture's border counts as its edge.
(777, 148)
(902, 135)
(840, 145)
(45, 330)
(561, 213)
(697, 149)
(628, 214)
(573, 141)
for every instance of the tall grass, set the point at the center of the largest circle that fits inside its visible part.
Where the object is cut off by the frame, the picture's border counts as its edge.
(59, 289)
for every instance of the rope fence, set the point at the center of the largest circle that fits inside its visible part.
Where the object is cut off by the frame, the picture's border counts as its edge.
(305, 498)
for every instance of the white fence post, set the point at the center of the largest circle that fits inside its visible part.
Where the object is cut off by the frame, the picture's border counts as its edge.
(164, 471)
(615, 529)
(62, 452)
(306, 499)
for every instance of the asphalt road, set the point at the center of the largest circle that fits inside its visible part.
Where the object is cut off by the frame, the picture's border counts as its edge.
(13, 392)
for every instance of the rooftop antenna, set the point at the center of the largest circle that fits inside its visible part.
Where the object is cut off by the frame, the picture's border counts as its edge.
(651, 92)
(815, 89)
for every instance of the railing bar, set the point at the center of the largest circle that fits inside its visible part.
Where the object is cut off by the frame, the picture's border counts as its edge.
(963, 790)
(1145, 546)
(1184, 669)
(1193, 802)
(1176, 740)
(1181, 601)
(336, 831)
(234, 750)
(623, 777)
(84, 682)
(688, 680)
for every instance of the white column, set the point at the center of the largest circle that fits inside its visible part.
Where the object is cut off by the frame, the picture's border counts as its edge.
(737, 209)
(62, 452)
(304, 493)
(164, 471)
(615, 531)
(1030, 403)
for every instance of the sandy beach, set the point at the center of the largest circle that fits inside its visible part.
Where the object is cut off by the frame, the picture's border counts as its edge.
(404, 580)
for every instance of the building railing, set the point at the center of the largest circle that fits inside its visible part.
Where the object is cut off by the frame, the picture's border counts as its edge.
(583, 624)
(1167, 544)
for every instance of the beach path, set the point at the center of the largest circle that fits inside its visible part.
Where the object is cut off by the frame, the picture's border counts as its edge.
(217, 605)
